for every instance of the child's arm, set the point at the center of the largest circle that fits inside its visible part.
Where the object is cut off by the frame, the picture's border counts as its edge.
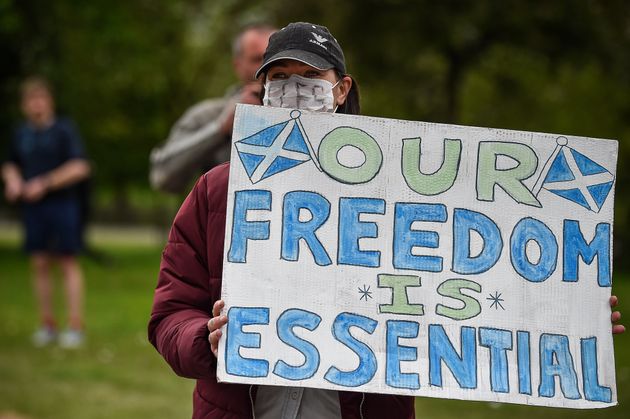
(13, 182)
(67, 174)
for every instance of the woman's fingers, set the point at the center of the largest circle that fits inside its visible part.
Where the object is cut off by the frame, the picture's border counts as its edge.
(615, 316)
(613, 300)
(216, 323)
(214, 326)
(214, 341)
(617, 328)
(217, 307)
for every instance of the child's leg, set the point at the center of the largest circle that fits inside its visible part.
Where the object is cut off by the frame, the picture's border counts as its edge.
(73, 282)
(40, 265)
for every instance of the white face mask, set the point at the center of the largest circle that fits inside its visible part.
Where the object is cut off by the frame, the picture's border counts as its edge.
(299, 92)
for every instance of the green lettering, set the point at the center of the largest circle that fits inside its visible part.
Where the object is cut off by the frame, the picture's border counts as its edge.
(453, 288)
(400, 300)
(341, 137)
(510, 180)
(433, 183)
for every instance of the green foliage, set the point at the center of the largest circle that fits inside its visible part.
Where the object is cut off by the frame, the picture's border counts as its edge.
(123, 70)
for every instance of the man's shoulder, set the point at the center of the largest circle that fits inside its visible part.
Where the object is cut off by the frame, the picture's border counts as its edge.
(200, 114)
(207, 103)
(204, 111)
(207, 108)
(211, 106)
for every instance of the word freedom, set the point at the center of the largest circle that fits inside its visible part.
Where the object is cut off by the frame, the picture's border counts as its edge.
(407, 240)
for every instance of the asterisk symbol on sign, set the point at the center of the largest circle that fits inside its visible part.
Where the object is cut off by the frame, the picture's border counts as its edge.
(496, 300)
(365, 292)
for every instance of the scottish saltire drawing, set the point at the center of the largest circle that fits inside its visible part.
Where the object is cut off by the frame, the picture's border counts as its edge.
(577, 178)
(400, 257)
(274, 149)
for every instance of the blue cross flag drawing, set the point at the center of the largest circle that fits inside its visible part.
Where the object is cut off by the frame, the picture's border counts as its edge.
(575, 177)
(275, 149)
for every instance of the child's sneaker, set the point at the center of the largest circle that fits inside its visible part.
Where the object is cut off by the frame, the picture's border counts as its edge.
(44, 336)
(71, 339)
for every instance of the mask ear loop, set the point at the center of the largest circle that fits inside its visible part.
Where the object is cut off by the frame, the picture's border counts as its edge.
(335, 85)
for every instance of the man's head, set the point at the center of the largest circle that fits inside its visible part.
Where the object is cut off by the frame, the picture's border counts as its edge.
(248, 49)
(37, 101)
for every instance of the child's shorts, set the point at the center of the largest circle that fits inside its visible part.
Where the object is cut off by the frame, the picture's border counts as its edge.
(53, 226)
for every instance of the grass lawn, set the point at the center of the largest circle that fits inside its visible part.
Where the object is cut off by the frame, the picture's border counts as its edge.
(119, 375)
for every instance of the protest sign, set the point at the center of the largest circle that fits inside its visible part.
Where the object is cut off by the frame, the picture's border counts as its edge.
(387, 256)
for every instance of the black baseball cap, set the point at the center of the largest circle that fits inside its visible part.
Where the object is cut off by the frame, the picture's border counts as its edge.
(305, 42)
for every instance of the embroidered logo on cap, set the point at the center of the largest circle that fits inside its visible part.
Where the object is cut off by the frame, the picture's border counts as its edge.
(319, 40)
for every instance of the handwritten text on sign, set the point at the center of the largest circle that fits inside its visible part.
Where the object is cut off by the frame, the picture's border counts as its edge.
(410, 258)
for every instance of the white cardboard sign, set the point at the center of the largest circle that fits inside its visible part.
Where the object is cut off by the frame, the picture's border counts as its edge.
(388, 256)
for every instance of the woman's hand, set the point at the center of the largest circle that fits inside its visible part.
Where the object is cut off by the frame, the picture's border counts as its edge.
(216, 323)
(615, 317)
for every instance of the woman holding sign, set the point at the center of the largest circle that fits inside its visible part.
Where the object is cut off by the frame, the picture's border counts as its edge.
(304, 68)
(300, 58)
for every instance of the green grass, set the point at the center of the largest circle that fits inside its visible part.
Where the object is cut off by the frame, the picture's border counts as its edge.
(120, 375)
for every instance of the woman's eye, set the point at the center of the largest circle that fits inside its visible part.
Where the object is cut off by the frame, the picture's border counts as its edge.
(312, 74)
(278, 76)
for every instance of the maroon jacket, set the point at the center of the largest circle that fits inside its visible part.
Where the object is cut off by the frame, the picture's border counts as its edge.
(189, 283)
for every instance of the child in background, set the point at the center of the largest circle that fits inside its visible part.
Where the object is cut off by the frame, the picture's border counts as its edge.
(45, 162)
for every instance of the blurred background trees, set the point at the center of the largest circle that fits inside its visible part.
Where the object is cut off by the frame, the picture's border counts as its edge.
(126, 70)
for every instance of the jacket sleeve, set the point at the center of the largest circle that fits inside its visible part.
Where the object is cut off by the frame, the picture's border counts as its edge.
(188, 148)
(183, 297)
